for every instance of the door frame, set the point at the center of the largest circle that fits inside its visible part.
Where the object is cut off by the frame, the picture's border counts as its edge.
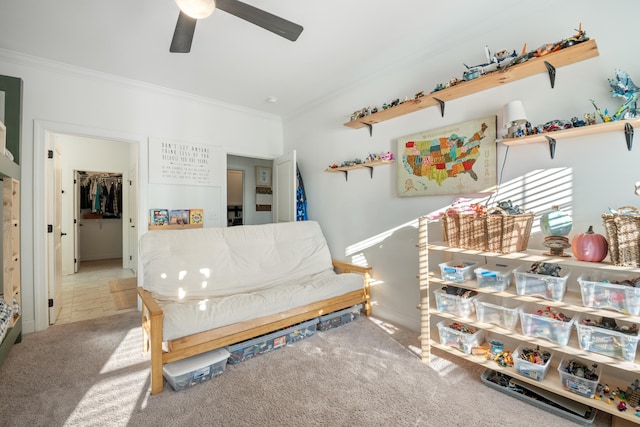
(44, 135)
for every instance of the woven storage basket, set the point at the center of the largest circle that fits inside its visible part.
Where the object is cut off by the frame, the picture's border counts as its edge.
(623, 236)
(494, 232)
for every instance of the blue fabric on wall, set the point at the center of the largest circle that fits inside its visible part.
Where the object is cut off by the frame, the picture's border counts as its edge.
(301, 198)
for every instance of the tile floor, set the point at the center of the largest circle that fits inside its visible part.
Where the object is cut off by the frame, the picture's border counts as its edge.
(85, 295)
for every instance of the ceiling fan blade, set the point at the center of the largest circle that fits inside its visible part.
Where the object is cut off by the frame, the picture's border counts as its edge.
(259, 17)
(183, 35)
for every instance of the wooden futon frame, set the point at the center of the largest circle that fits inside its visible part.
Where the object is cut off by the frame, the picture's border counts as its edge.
(181, 348)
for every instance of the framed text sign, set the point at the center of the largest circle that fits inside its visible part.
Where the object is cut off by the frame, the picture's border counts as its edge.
(176, 162)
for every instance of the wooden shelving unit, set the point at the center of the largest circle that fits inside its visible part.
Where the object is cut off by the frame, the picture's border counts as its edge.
(367, 165)
(616, 372)
(11, 240)
(545, 64)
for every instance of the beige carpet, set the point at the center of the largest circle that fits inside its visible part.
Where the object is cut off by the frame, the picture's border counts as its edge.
(124, 292)
(93, 373)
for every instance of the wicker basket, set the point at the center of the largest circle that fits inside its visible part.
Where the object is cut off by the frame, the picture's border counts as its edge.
(494, 232)
(623, 236)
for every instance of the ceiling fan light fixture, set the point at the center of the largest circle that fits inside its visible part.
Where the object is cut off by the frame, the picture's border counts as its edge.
(197, 9)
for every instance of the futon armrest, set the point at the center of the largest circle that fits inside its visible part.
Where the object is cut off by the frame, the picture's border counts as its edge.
(149, 302)
(345, 267)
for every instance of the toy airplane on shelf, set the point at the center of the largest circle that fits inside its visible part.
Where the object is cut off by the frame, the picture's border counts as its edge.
(492, 64)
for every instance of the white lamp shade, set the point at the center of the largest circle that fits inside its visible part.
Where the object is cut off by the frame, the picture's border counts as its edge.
(197, 9)
(514, 113)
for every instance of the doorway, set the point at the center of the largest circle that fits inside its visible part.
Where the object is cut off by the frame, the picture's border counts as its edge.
(95, 226)
(235, 196)
(242, 171)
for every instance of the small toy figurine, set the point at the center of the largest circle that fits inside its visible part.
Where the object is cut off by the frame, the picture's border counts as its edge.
(622, 406)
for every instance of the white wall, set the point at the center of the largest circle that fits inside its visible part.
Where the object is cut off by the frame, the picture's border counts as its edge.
(365, 218)
(64, 97)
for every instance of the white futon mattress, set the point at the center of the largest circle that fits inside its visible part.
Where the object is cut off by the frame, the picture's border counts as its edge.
(191, 316)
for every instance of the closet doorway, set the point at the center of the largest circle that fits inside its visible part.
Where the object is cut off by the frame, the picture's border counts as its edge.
(98, 209)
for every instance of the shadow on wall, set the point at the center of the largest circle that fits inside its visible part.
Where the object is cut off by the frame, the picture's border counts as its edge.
(393, 253)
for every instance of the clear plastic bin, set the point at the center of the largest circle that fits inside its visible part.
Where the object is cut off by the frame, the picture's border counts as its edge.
(459, 305)
(535, 325)
(607, 341)
(577, 384)
(598, 291)
(528, 368)
(457, 339)
(549, 287)
(497, 276)
(500, 311)
(339, 318)
(193, 370)
(265, 343)
(458, 271)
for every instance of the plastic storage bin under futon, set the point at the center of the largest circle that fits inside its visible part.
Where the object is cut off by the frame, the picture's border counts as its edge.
(598, 291)
(549, 287)
(263, 344)
(497, 276)
(576, 384)
(459, 305)
(458, 271)
(607, 341)
(338, 318)
(535, 325)
(457, 339)
(528, 368)
(195, 369)
(500, 311)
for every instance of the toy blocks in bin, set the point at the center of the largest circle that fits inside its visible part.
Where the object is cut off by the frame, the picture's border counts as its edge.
(246, 350)
(611, 290)
(547, 323)
(579, 376)
(187, 372)
(497, 276)
(500, 311)
(460, 336)
(540, 285)
(458, 271)
(532, 361)
(459, 301)
(339, 318)
(608, 336)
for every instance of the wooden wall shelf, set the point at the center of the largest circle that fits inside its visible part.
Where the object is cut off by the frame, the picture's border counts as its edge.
(567, 56)
(175, 226)
(550, 137)
(368, 165)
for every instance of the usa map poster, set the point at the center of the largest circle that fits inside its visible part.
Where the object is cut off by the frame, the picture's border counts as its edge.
(456, 159)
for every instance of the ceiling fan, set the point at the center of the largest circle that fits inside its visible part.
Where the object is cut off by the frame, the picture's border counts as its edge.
(192, 10)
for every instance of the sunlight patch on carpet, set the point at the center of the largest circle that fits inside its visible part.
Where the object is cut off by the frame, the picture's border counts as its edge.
(109, 401)
(128, 353)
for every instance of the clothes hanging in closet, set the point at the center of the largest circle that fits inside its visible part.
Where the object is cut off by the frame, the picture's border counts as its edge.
(101, 194)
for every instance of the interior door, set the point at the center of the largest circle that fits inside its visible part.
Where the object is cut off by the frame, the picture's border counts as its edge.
(285, 186)
(55, 281)
(133, 211)
(76, 221)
